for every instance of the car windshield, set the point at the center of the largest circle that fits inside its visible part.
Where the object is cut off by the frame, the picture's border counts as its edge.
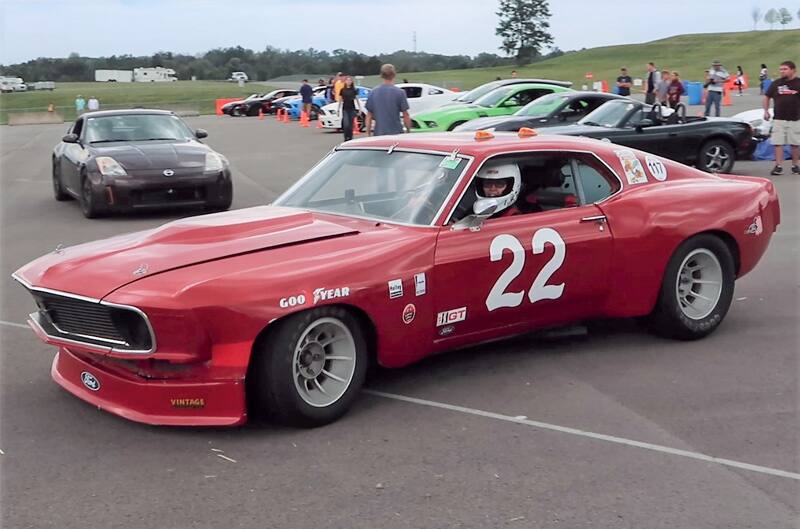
(608, 114)
(543, 106)
(475, 93)
(403, 187)
(494, 97)
(136, 127)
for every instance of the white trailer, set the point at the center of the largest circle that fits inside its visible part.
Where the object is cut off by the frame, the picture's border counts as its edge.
(154, 75)
(113, 76)
(12, 84)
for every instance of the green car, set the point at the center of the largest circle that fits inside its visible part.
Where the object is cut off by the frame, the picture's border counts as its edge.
(499, 102)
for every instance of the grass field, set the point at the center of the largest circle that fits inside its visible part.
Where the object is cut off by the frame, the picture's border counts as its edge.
(690, 55)
(180, 95)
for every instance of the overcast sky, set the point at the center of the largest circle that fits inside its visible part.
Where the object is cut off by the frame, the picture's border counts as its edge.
(55, 28)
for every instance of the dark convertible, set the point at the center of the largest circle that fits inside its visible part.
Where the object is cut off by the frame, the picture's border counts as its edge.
(121, 160)
(710, 144)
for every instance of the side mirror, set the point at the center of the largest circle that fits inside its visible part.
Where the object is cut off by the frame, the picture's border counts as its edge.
(200, 134)
(482, 209)
(70, 138)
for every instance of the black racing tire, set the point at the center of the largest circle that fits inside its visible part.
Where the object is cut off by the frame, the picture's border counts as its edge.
(252, 111)
(236, 112)
(676, 315)
(454, 125)
(58, 186)
(88, 201)
(716, 156)
(275, 378)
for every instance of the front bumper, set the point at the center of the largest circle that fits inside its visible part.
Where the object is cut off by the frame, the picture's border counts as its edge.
(157, 191)
(156, 401)
(330, 121)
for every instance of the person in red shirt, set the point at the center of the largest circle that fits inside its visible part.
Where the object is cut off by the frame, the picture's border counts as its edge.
(674, 90)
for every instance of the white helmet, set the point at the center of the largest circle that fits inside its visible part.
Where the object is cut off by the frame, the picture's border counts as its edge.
(502, 171)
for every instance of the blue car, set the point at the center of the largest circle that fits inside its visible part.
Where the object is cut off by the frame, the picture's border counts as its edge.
(295, 105)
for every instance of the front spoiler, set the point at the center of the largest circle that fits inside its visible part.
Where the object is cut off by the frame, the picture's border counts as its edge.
(176, 402)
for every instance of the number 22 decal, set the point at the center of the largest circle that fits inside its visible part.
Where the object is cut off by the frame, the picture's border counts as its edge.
(498, 297)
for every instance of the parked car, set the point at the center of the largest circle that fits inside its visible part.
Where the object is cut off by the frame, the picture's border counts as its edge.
(712, 144)
(501, 101)
(480, 91)
(123, 160)
(294, 105)
(329, 114)
(255, 102)
(238, 76)
(555, 109)
(386, 252)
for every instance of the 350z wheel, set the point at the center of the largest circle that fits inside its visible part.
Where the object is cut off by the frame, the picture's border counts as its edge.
(89, 206)
(697, 289)
(58, 187)
(310, 368)
(716, 156)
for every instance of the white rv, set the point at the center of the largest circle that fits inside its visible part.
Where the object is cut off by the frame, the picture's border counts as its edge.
(154, 75)
(12, 84)
(113, 76)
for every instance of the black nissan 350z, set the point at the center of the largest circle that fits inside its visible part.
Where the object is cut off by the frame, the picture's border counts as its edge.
(123, 160)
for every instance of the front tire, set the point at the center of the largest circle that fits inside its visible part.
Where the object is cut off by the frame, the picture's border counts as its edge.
(454, 125)
(58, 187)
(716, 156)
(89, 206)
(308, 371)
(697, 289)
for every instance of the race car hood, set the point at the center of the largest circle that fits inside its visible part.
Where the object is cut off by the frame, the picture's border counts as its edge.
(98, 268)
(155, 154)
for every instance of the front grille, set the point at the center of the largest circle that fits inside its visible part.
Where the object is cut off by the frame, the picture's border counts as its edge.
(94, 323)
(168, 195)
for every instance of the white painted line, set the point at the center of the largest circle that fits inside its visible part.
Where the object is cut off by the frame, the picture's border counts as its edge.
(12, 324)
(226, 458)
(592, 435)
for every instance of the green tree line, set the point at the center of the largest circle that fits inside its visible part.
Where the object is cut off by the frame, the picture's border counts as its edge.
(259, 65)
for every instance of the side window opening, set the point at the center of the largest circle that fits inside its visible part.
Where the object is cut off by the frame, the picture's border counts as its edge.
(596, 181)
(78, 127)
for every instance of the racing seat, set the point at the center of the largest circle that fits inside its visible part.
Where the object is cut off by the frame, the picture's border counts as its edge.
(553, 191)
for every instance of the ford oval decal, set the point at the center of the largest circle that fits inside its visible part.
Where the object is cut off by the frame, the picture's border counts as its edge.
(90, 381)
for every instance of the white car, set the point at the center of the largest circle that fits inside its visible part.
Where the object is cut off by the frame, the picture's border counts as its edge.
(755, 117)
(421, 97)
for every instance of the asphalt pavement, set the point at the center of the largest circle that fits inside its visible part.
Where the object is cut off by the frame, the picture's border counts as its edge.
(612, 429)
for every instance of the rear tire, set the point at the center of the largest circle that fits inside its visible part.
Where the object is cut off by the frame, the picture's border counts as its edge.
(716, 156)
(58, 188)
(310, 368)
(697, 289)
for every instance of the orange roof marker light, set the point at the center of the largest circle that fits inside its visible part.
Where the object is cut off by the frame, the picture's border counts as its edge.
(527, 132)
(483, 135)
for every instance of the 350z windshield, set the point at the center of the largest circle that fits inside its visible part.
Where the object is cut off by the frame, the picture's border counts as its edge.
(403, 187)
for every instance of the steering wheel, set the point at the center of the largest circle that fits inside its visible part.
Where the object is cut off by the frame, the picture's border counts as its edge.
(417, 198)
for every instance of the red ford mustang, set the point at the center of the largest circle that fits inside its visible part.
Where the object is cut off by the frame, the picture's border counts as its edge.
(389, 250)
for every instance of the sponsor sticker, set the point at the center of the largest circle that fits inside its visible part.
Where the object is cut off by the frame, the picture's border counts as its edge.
(449, 163)
(188, 403)
(395, 288)
(656, 167)
(756, 227)
(451, 316)
(326, 294)
(446, 330)
(90, 381)
(420, 284)
(409, 313)
(634, 171)
(292, 301)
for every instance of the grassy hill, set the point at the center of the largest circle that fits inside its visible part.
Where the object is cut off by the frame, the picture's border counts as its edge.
(690, 55)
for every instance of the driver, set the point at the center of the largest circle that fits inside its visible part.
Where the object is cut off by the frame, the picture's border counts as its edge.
(502, 182)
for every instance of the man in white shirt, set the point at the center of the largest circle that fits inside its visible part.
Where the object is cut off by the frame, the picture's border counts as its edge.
(715, 83)
(93, 104)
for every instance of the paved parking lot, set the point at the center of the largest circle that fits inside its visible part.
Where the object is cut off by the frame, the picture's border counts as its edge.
(616, 429)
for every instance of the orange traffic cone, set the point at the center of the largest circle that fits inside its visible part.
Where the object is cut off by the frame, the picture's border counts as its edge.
(726, 98)
(304, 120)
(260, 114)
(356, 132)
(604, 86)
(319, 122)
(285, 118)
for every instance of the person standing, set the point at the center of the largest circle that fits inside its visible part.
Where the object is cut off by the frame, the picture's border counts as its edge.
(93, 104)
(785, 91)
(329, 91)
(385, 104)
(338, 85)
(307, 93)
(650, 84)
(739, 82)
(763, 75)
(348, 102)
(674, 91)
(513, 74)
(716, 84)
(663, 86)
(80, 105)
(624, 82)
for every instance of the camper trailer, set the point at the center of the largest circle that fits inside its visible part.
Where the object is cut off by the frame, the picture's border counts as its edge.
(12, 84)
(154, 75)
(113, 76)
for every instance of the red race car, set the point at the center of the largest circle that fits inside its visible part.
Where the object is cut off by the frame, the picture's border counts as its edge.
(391, 249)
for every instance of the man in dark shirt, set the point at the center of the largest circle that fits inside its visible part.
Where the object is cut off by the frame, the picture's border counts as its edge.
(624, 82)
(786, 125)
(307, 93)
(650, 84)
(385, 104)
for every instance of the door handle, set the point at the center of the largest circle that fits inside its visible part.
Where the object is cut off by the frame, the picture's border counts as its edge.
(594, 218)
(671, 134)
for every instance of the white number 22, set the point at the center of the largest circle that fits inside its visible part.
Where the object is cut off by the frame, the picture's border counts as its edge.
(498, 297)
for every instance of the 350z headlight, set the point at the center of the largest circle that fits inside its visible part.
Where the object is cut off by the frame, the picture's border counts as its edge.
(214, 162)
(108, 166)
